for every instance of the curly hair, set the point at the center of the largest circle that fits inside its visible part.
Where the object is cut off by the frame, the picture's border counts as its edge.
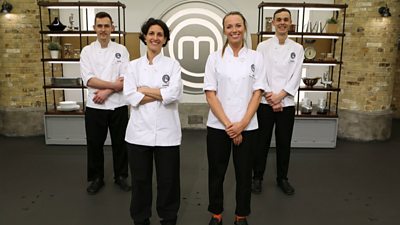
(150, 22)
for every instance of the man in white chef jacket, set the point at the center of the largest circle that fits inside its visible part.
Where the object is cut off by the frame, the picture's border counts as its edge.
(283, 59)
(101, 65)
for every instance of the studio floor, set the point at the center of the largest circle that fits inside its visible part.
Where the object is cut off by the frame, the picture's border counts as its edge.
(357, 183)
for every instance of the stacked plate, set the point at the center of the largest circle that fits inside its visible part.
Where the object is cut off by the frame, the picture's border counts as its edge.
(68, 106)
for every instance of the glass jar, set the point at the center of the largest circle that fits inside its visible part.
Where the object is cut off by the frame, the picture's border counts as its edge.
(77, 53)
(68, 52)
(268, 24)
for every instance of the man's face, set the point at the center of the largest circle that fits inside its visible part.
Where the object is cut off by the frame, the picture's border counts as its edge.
(282, 22)
(103, 28)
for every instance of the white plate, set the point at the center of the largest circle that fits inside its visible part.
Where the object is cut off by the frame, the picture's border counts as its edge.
(69, 108)
(68, 103)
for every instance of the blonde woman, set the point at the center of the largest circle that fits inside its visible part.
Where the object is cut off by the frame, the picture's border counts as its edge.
(233, 84)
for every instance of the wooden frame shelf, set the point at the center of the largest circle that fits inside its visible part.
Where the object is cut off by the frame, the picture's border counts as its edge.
(47, 4)
(319, 88)
(302, 5)
(305, 34)
(60, 60)
(314, 113)
(63, 87)
(334, 45)
(308, 61)
(67, 127)
(83, 33)
(57, 112)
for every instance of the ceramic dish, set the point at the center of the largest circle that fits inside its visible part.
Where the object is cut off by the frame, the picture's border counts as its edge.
(68, 103)
(69, 108)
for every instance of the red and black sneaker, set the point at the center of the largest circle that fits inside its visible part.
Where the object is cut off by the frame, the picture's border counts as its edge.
(240, 221)
(216, 220)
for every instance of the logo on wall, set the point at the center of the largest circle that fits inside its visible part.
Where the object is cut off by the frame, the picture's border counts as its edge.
(196, 31)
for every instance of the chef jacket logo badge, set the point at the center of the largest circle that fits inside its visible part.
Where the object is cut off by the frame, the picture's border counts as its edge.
(165, 79)
(118, 55)
(292, 55)
(253, 69)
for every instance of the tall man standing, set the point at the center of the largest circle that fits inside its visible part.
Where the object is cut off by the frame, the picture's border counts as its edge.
(102, 64)
(283, 62)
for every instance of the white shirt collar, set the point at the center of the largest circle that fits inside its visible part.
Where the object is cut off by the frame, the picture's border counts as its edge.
(98, 45)
(229, 50)
(276, 40)
(156, 59)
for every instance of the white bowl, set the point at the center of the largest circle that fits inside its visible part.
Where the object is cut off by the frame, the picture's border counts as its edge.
(67, 103)
(68, 108)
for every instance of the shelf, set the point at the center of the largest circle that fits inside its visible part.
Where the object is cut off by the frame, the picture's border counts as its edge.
(63, 87)
(308, 62)
(306, 35)
(78, 33)
(321, 128)
(60, 60)
(319, 88)
(300, 6)
(65, 5)
(315, 114)
(56, 112)
(68, 127)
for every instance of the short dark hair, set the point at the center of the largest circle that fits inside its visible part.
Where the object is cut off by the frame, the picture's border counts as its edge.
(150, 22)
(282, 10)
(102, 15)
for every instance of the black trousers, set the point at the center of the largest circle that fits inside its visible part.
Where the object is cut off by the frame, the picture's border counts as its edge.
(97, 123)
(219, 147)
(167, 165)
(283, 122)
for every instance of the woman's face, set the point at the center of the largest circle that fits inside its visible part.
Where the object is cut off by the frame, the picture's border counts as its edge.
(155, 38)
(234, 29)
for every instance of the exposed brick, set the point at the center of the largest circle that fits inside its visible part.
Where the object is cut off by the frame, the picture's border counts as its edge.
(370, 49)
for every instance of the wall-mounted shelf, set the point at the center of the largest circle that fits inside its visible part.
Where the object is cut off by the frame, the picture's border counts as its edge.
(313, 129)
(67, 127)
(331, 39)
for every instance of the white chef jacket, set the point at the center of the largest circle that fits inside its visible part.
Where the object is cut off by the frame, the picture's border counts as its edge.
(283, 65)
(234, 79)
(155, 123)
(106, 64)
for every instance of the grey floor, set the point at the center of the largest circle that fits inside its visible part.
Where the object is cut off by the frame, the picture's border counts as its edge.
(353, 184)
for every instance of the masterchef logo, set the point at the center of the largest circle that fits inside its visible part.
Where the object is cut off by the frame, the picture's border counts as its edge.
(196, 31)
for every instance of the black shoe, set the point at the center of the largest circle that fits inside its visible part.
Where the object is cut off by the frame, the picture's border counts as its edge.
(256, 186)
(215, 221)
(121, 182)
(286, 187)
(168, 221)
(95, 186)
(242, 221)
(144, 222)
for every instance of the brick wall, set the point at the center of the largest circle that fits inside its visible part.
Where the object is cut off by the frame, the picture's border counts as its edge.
(370, 56)
(396, 88)
(21, 92)
(21, 73)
